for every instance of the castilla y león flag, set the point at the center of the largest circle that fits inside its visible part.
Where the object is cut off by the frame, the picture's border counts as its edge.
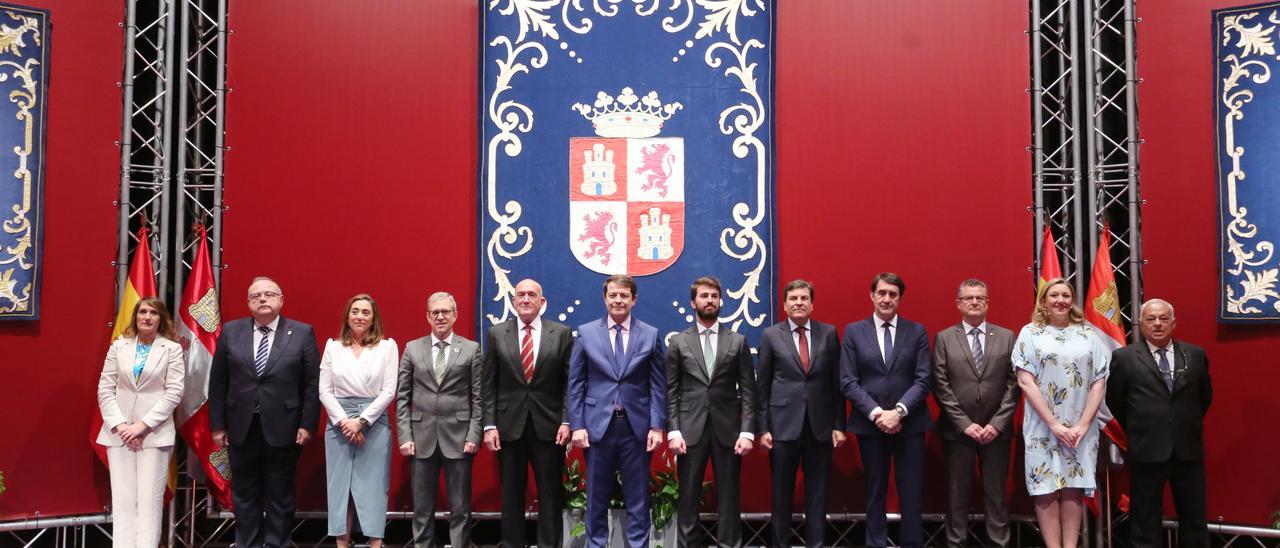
(198, 327)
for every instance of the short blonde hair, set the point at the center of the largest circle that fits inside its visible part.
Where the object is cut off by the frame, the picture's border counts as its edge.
(1040, 316)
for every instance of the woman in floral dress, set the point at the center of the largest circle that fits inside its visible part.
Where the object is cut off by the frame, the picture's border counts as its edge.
(1062, 368)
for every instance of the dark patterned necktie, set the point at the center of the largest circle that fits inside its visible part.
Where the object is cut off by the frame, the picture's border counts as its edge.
(526, 352)
(260, 357)
(618, 350)
(888, 343)
(441, 357)
(804, 350)
(978, 358)
(1165, 372)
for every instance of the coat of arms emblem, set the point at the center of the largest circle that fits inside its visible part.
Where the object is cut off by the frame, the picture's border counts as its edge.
(626, 187)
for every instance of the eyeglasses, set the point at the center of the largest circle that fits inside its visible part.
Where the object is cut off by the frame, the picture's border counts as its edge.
(264, 295)
(440, 313)
(972, 298)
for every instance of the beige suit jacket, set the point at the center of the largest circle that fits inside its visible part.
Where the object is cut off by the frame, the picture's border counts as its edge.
(151, 399)
(443, 414)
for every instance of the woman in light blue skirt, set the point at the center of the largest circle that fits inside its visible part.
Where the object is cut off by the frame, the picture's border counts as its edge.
(357, 383)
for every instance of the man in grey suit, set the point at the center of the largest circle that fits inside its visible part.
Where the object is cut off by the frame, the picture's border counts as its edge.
(977, 393)
(438, 411)
(710, 414)
(526, 370)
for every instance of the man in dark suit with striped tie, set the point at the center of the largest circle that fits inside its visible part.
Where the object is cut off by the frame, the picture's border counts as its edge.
(526, 370)
(263, 401)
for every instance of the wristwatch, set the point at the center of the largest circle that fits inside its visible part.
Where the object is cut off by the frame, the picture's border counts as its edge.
(364, 422)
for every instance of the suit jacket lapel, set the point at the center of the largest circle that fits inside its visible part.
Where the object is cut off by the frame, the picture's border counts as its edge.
(544, 348)
(511, 342)
(722, 347)
(127, 355)
(784, 331)
(451, 354)
(153, 358)
(1183, 365)
(245, 344)
(604, 344)
(632, 339)
(873, 333)
(279, 340)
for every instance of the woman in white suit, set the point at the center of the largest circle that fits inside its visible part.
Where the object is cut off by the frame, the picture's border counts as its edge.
(140, 386)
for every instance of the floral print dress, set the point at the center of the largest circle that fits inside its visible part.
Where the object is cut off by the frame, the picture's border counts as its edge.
(1066, 362)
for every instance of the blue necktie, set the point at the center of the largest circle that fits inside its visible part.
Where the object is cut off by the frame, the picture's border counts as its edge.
(260, 357)
(618, 353)
(1164, 368)
(888, 345)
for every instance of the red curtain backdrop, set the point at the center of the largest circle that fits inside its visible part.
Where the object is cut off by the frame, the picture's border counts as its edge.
(1179, 228)
(51, 366)
(901, 145)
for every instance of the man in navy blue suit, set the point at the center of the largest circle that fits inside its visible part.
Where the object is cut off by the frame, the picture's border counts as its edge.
(617, 409)
(885, 369)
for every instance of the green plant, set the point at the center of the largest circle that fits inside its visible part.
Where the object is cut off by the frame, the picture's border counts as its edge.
(1, 483)
(575, 488)
(664, 489)
(1275, 516)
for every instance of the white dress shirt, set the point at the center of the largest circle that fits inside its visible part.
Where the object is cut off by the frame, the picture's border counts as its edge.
(372, 374)
(257, 336)
(893, 333)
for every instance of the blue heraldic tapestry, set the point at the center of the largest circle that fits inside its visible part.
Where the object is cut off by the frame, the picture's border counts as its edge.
(24, 52)
(1247, 120)
(628, 137)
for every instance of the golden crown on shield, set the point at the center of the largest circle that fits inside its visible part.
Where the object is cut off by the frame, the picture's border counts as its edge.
(628, 115)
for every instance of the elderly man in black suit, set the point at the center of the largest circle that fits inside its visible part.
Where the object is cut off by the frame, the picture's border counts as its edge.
(800, 414)
(1159, 390)
(711, 385)
(263, 401)
(526, 371)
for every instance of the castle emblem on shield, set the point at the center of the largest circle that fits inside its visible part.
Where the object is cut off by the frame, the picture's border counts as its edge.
(626, 186)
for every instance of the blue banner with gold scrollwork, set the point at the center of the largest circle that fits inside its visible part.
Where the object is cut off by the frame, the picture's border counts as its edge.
(24, 53)
(628, 137)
